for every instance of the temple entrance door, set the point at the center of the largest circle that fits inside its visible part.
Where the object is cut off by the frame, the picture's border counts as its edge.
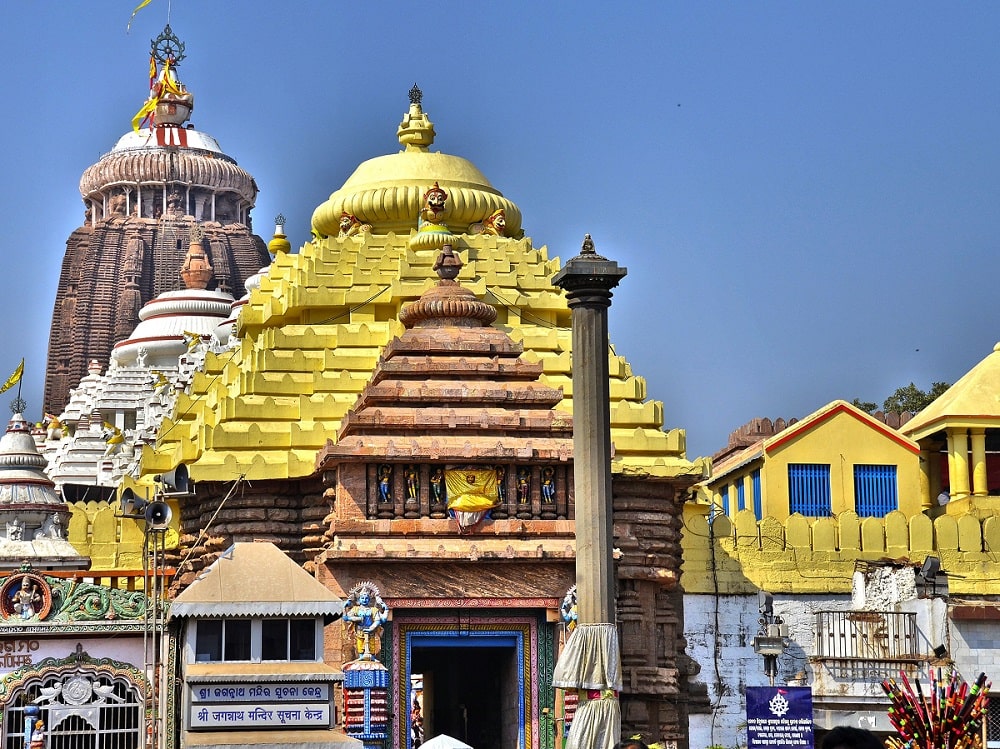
(470, 692)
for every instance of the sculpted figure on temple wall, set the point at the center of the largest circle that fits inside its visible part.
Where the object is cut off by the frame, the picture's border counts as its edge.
(364, 614)
(28, 599)
(493, 225)
(523, 485)
(412, 483)
(548, 484)
(174, 207)
(431, 217)
(116, 205)
(385, 483)
(350, 226)
(567, 609)
(437, 484)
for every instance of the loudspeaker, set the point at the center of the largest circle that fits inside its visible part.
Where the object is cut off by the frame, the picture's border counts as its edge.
(176, 481)
(930, 569)
(158, 516)
(129, 499)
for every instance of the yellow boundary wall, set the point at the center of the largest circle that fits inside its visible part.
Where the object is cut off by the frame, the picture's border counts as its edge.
(819, 555)
(111, 541)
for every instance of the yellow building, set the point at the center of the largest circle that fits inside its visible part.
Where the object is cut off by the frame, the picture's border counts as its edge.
(837, 459)
(837, 516)
(958, 437)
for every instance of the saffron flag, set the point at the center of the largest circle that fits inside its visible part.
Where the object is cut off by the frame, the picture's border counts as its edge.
(139, 7)
(472, 489)
(152, 70)
(14, 378)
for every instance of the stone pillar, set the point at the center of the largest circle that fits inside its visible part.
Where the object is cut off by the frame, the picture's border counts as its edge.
(588, 279)
(979, 482)
(928, 497)
(958, 463)
(591, 661)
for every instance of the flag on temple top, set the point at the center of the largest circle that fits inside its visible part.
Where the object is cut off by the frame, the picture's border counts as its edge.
(152, 70)
(139, 7)
(166, 86)
(472, 489)
(14, 378)
(145, 112)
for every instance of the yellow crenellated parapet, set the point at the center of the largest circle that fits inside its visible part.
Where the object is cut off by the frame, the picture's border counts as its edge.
(112, 542)
(818, 555)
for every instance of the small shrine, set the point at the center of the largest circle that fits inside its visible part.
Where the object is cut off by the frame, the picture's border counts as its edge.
(35, 521)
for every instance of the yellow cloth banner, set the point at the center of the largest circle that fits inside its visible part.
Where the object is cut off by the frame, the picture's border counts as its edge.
(471, 489)
(139, 7)
(166, 85)
(14, 378)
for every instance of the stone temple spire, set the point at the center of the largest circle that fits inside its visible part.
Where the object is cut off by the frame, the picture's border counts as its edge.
(141, 201)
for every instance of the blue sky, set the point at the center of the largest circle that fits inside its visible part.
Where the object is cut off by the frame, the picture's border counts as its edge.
(804, 193)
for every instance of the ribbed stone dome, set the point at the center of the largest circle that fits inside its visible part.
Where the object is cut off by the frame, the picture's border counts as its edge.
(137, 157)
(387, 191)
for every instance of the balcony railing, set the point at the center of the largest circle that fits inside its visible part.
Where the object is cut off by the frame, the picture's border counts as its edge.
(868, 642)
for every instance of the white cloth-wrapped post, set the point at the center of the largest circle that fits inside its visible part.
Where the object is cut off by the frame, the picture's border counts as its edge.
(591, 663)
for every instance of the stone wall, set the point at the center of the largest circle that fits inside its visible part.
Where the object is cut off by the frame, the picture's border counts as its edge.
(286, 513)
(112, 269)
(647, 528)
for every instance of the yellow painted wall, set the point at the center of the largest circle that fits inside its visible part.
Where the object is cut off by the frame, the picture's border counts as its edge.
(112, 542)
(842, 441)
(818, 555)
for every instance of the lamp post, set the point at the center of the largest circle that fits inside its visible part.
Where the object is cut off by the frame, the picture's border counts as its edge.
(770, 639)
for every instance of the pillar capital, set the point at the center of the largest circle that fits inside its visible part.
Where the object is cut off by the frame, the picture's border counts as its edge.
(588, 278)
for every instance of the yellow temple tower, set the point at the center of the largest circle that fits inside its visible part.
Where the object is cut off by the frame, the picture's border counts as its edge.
(330, 421)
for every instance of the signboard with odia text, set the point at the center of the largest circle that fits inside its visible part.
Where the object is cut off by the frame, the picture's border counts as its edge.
(779, 718)
(241, 705)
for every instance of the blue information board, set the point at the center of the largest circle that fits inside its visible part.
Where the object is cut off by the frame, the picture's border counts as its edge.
(779, 718)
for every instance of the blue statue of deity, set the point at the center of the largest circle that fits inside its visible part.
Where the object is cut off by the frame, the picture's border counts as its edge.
(364, 614)
(385, 483)
(568, 609)
(548, 484)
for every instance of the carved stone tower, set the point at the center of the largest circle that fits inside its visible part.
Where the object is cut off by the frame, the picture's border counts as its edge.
(142, 200)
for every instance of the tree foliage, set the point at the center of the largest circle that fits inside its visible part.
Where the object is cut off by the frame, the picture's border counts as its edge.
(907, 398)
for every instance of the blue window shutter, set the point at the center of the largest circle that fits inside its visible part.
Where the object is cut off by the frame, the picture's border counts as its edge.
(875, 490)
(724, 493)
(809, 489)
(741, 499)
(758, 508)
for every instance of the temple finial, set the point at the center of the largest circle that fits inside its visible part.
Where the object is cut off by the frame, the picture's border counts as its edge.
(167, 47)
(588, 246)
(416, 95)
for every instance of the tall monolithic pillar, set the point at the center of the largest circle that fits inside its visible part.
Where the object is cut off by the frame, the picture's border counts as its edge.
(591, 661)
(588, 279)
